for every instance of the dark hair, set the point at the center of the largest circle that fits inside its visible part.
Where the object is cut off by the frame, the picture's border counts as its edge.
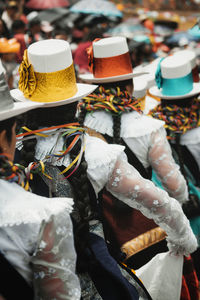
(187, 102)
(34, 22)
(7, 125)
(83, 206)
(18, 24)
(6, 33)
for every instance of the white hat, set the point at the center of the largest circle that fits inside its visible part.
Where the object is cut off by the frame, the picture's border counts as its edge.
(47, 75)
(9, 108)
(109, 61)
(174, 79)
(191, 56)
(140, 87)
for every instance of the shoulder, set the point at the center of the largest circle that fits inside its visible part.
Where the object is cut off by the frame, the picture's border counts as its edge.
(99, 153)
(137, 125)
(18, 206)
(101, 159)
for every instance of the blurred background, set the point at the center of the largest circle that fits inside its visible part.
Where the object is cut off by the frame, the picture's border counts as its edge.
(153, 28)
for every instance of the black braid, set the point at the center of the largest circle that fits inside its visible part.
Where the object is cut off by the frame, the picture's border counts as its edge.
(81, 116)
(116, 129)
(116, 117)
(83, 207)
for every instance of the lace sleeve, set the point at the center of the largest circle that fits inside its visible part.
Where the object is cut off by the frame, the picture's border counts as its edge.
(127, 185)
(54, 261)
(160, 158)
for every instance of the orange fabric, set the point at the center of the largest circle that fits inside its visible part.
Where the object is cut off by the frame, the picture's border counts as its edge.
(9, 46)
(112, 66)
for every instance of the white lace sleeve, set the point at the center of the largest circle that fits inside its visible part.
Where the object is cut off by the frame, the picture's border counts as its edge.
(54, 261)
(127, 185)
(160, 158)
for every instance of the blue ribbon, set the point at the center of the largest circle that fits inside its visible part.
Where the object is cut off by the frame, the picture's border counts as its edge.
(158, 75)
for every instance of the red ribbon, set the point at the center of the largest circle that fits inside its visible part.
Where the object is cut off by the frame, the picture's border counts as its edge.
(195, 74)
(90, 54)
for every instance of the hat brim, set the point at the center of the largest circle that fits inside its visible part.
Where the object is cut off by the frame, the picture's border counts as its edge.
(18, 109)
(89, 77)
(83, 90)
(158, 93)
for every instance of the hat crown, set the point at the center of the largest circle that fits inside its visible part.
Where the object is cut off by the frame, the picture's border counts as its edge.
(109, 47)
(6, 101)
(50, 56)
(140, 87)
(187, 54)
(175, 67)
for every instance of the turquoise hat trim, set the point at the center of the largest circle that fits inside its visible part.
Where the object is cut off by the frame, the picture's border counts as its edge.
(173, 86)
(195, 31)
(177, 86)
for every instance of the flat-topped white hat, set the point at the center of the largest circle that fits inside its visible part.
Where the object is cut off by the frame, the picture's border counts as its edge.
(9, 108)
(191, 56)
(109, 61)
(174, 79)
(140, 87)
(47, 75)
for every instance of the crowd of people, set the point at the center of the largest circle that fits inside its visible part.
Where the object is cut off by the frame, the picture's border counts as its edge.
(99, 162)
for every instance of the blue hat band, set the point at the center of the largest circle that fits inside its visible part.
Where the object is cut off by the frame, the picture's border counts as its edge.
(177, 86)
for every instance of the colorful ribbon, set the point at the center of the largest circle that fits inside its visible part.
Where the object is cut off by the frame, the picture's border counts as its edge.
(111, 100)
(178, 119)
(18, 173)
(70, 130)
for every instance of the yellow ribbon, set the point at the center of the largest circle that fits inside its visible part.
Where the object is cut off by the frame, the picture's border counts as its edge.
(39, 134)
(72, 163)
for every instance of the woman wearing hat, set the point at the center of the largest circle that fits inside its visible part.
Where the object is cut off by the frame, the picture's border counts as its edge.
(89, 165)
(35, 231)
(111, 111)
(178, 87)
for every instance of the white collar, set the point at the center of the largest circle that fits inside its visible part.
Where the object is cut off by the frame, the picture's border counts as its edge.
(18, 206)
(132, 124)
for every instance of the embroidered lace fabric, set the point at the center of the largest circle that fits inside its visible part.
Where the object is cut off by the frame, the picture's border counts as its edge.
(149, 145)
(107, 166)
(18, 206)
(160, 158)
(54, 261)
(33, 224)
(127, 185)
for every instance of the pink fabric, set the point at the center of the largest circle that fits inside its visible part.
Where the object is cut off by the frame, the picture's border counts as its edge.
(81, 57)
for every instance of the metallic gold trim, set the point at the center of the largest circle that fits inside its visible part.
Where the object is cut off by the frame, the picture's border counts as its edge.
(143, 241)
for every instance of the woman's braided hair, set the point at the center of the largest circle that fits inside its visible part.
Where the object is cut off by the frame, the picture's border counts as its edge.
(113, 87)
(83, 208)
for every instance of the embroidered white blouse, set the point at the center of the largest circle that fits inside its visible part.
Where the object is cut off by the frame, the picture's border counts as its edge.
(36, 238)
(191, 138)
(146, 137)
(108, 167)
